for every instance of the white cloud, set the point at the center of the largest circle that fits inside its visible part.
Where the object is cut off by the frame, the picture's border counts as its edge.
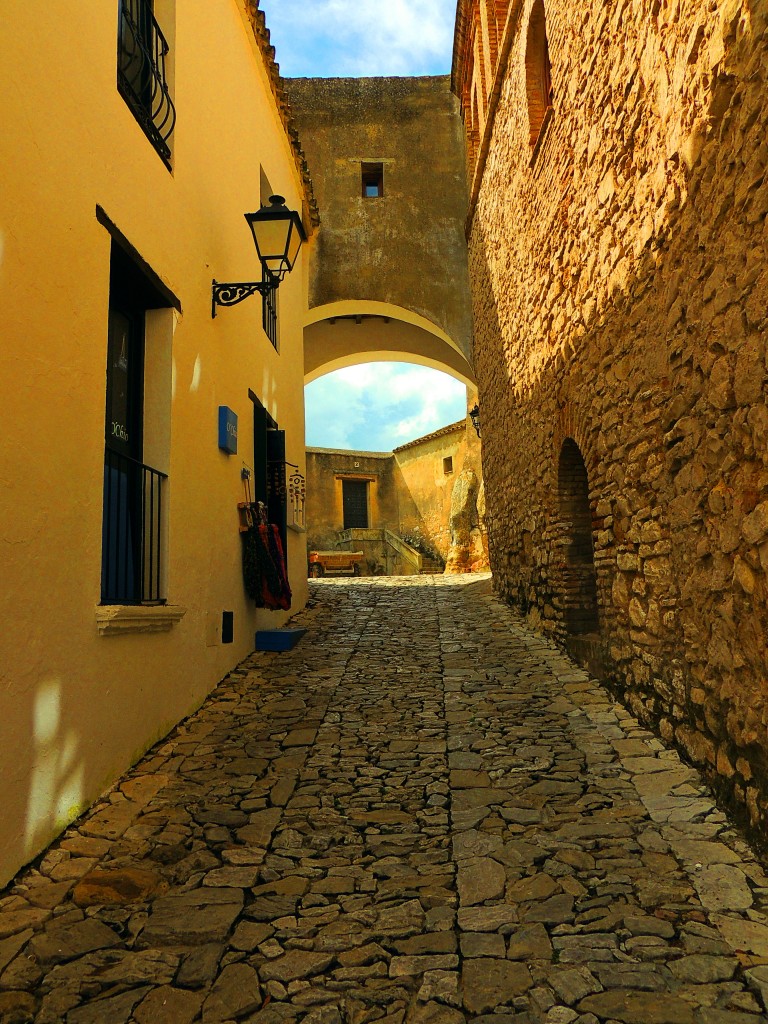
(361, 37)
(378, 406)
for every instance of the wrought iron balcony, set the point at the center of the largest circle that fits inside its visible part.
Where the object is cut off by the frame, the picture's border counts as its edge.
(131, 563)
(141, 73)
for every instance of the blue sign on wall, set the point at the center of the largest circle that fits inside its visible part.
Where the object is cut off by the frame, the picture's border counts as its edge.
(227, 430)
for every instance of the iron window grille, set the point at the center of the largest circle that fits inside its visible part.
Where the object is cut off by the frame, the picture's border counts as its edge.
(269, 308)
(132, 570)
(141, 73)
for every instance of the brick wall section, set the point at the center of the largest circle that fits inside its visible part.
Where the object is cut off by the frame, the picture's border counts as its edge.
(620, 292)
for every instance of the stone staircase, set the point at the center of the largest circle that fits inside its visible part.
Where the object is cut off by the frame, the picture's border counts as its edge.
(431, 566)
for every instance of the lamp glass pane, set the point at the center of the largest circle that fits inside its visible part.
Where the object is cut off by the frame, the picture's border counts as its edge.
(270, 237)
(294, 244)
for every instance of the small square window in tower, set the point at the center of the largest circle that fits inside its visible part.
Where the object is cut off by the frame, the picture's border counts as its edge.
(448, 465)
(373, 181)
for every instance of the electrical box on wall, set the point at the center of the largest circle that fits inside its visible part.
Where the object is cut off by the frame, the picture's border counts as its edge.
(227, 627)
(227, 430)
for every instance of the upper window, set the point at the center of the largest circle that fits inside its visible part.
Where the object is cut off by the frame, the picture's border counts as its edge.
(142, 53)
(269, 308)
(448, 465)
(538, 72)
(373, 181)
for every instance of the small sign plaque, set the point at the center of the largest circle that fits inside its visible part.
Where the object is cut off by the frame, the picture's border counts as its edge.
(227, 430)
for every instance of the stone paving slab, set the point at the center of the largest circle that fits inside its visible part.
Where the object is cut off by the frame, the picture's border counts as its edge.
(423, 814)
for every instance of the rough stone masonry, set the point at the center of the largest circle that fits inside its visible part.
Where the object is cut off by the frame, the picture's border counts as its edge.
(424, 814)
(620, 289)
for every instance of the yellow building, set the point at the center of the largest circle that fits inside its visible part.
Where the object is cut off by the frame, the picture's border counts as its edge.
(416, 509)
(133, 143)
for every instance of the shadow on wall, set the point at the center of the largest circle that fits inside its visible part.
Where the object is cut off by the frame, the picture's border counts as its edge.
(653, 408)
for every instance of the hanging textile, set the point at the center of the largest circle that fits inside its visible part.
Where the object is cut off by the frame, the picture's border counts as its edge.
(264, 572)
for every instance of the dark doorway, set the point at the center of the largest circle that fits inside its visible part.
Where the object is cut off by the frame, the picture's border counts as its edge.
(123, 471)
(131, 568)
(269, 468)
(579, 585)
(355, 503)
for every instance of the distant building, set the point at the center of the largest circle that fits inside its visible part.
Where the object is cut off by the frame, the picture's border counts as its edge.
(413, 510)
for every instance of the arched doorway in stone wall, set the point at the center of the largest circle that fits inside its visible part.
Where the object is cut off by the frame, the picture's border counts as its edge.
(579, 581)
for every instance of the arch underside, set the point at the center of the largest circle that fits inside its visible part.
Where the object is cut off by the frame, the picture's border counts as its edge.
(346, 333)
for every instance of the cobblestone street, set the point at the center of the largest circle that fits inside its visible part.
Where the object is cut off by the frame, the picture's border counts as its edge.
(423, 813)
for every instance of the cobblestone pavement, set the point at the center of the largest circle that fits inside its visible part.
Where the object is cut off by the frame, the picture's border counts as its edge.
(423, 813)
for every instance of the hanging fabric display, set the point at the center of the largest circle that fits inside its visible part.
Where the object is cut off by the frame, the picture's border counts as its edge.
(266, 579)
(264, 571)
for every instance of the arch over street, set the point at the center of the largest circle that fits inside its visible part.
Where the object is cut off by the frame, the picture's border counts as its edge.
(344, 333)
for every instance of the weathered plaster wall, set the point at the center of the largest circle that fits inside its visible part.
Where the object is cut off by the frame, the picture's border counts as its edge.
(620, 285)
(426, 488)
(408, 247)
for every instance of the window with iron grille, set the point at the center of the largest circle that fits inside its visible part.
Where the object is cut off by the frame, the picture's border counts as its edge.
(142, 54)
(269, 310)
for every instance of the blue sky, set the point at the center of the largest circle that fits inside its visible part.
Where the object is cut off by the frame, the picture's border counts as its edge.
(378, 406)
(346, 38)
(374, 406)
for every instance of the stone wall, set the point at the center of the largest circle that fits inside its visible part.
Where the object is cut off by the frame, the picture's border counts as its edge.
(620, 290)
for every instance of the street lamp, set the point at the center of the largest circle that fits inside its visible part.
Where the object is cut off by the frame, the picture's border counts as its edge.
(278, 235)
(474, 415)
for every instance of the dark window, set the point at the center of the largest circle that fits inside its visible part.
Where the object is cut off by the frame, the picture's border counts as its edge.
(538, 72)
(269, 310)
(131, 569)
(141, 73)
(227, 627)
(373, 181)
(355, 504)
(270, 485)
(448, 465)
(579, 586)
(268, 301)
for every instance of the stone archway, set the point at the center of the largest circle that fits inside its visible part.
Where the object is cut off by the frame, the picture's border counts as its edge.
(342, 334)
(578, 587)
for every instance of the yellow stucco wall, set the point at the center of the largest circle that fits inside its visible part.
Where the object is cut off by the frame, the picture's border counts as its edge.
(77, 708)
(425, 486)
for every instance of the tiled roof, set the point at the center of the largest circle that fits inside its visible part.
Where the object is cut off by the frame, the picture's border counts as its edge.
(452, 428)
(349, 451)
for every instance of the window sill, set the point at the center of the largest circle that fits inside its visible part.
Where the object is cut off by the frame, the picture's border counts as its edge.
(297, 529)
(121, 619)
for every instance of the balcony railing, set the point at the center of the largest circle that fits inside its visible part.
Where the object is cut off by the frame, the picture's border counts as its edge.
(132, 533)
(141, 73)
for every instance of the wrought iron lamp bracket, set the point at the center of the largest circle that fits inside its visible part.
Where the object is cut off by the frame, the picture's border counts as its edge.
(234, 292)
